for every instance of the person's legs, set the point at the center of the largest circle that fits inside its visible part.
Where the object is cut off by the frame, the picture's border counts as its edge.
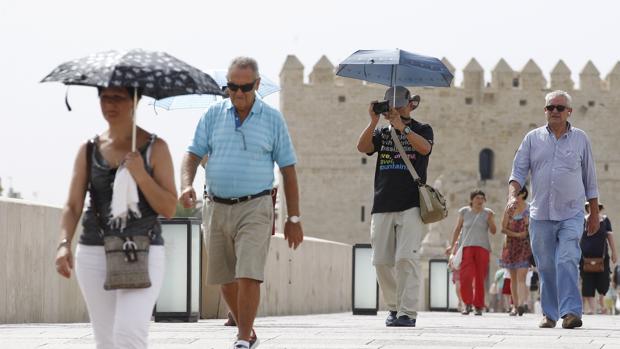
(481, 256)
(230, 292)
(468, 271)
(252, 222)
(247, 305)
(221, 259)
(601, 303)
(543, 240)
(135, 307)
(90, 271)
(588, 290)
(457, 286)
(591, 305)
(602, 286)
(522, 290)
(568, 255)
(409, 232)
(383, 241)
(514, 290)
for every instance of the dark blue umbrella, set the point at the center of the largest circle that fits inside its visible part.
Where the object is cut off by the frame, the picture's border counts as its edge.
(395, 68)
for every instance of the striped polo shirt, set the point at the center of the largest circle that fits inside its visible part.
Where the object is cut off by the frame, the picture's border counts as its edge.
(241, 157)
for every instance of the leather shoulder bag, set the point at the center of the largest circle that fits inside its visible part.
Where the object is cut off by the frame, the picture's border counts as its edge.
(432, 204)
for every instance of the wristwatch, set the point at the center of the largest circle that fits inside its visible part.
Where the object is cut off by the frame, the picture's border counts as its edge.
(406, 130)
(294, 219)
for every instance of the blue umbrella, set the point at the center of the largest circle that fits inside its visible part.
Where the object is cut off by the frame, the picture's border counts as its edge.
(266, 87)
(395, 68)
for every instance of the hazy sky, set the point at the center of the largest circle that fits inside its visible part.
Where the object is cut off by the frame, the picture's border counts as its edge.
(39, 138)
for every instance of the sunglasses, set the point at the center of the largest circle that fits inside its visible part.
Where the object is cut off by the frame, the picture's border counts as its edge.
(560, 108)
(244, 88)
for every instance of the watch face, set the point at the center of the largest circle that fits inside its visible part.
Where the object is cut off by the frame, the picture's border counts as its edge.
(294, 219)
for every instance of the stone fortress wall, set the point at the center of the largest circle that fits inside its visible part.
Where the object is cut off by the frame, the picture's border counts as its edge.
(477, 119)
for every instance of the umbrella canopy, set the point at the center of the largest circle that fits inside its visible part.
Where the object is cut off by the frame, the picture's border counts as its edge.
(395, 67)
(266, 87)
(157, 74)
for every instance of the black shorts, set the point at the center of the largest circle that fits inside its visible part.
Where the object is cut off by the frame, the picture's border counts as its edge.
(591, 282)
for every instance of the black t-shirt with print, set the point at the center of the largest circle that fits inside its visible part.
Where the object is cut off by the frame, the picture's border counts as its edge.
(395, 189)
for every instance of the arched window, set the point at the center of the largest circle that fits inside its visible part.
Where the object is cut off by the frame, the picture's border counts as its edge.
(486, 164)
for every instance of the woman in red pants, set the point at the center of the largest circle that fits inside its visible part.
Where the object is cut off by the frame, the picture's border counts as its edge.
(472, 231)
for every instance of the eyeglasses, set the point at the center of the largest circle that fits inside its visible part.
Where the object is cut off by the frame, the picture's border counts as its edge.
(244, 88)
(560, 108)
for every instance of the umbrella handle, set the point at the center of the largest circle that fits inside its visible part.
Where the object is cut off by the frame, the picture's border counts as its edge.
(133, 118)
(394, 68)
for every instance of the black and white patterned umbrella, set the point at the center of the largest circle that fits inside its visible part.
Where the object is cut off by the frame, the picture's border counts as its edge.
(157, 74)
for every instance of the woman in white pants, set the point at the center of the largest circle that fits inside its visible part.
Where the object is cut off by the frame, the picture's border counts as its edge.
(120, 318)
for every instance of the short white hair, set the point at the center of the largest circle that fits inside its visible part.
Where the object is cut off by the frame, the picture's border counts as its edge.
(243, 62)
(558, 93)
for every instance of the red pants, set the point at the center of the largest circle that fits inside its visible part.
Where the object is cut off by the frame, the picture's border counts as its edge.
(474, 268)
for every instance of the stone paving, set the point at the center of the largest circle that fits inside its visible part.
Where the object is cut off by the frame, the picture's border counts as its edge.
(435, 330)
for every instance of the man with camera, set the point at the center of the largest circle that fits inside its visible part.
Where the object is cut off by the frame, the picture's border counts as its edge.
(396, 228)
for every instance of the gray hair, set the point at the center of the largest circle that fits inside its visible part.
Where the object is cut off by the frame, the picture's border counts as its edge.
(558, 93)
(243, 63)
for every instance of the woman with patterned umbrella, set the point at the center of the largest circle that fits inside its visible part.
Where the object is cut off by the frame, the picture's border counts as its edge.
(129, 175)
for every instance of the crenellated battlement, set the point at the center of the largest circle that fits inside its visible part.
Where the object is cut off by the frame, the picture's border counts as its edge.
(503, 77)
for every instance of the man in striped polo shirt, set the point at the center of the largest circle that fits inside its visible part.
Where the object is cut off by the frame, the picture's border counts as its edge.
(242, 137)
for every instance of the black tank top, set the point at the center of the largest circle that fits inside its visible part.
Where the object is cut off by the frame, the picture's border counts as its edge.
(102, 182)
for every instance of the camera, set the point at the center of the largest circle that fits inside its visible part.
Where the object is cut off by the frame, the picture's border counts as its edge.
(381, 107)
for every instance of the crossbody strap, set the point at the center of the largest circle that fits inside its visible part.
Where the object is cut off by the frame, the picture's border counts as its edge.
(404, 156)
(90, 148)
(414, 174)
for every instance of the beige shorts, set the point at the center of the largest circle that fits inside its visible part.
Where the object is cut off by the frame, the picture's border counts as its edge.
(396, 235)
(237, 238)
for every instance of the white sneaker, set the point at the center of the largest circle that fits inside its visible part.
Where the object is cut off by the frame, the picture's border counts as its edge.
(252, 344)
(241, 345)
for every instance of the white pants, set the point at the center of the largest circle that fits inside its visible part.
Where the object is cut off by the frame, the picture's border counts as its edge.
(396, 239)
(120, 318)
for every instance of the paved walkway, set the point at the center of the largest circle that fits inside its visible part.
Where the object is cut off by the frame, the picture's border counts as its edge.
(344, 331)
